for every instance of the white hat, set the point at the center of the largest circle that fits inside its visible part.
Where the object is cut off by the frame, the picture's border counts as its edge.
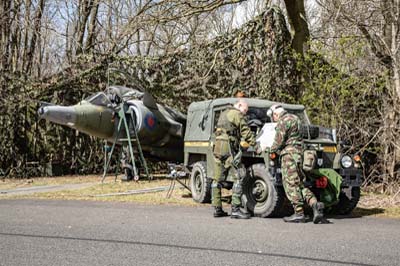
(273, 109)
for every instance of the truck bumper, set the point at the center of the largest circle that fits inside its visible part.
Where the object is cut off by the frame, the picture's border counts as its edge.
(351, 177)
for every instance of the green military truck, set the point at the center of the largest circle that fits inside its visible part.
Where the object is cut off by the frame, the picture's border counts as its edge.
(334, 177)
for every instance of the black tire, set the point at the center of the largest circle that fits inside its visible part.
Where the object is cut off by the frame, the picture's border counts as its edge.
(261, 196)
(128, 175)
(348, 199)
(200, 185)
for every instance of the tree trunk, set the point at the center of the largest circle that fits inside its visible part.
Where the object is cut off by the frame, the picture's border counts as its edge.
(68, 45)
(138, 35)
(396, 113)
(395, 46)
(35, 35)
(16, 38)
(83, 16)
(394, 116)
(92, 26)
(298, 24)
(5, 33)
(27, 19)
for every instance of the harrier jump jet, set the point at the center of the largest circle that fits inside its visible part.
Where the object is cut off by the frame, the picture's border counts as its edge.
(156, 129)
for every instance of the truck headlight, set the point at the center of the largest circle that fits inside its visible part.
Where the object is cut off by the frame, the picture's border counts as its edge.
(346, 161)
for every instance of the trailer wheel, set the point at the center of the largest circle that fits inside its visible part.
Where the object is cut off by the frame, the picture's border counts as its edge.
(348, 199)
(261, 196)
(128, 174)
(200, 185)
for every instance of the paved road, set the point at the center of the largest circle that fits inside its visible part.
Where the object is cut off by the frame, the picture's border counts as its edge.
(34, 232)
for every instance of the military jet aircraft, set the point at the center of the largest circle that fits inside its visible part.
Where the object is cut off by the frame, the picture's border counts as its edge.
(159, 129)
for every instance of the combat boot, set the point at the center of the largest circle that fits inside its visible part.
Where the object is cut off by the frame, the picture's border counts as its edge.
(295, 218)
(219, 212)
(318, 209)
(238, 214)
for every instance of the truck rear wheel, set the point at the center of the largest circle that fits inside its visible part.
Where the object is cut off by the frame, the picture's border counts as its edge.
(348, 199)
(262, 197)
(200, 185)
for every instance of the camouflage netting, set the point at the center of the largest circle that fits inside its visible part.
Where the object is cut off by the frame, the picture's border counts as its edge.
(255, 59)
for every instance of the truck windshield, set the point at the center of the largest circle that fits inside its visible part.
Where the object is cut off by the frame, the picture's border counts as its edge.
(302, 115)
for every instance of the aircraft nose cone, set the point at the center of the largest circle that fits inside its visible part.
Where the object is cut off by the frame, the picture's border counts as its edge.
(41, 112)
(44, 112)
(63, 115)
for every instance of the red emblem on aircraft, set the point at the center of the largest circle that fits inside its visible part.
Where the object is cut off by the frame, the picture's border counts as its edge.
(150, 121)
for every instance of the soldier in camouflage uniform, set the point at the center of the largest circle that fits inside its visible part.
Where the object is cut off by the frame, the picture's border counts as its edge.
(288, 142)
(231, 127)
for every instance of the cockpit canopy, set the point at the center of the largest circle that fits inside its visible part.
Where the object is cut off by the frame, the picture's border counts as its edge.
(99, 98)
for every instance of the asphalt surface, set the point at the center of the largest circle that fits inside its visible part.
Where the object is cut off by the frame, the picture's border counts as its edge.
(34, 232)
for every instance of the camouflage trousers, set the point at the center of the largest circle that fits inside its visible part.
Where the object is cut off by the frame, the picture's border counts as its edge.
(223, 169)
(293, 182)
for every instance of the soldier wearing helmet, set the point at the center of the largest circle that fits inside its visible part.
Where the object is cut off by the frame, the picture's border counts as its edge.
(288, 143)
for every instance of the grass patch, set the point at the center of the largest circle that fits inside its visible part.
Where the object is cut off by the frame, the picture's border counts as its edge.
(393, 212)
(379, 205)
(7, 184)
(371, 203)
(179, 196)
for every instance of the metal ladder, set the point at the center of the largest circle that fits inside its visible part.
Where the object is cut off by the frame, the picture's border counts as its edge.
(123, 110)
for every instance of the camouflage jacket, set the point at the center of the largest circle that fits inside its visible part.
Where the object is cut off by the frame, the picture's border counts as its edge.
(287, 137)
(234, 124)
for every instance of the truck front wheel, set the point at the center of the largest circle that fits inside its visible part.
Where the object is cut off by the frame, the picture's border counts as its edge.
(200, 185)
(261, 196)
(348, 199)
